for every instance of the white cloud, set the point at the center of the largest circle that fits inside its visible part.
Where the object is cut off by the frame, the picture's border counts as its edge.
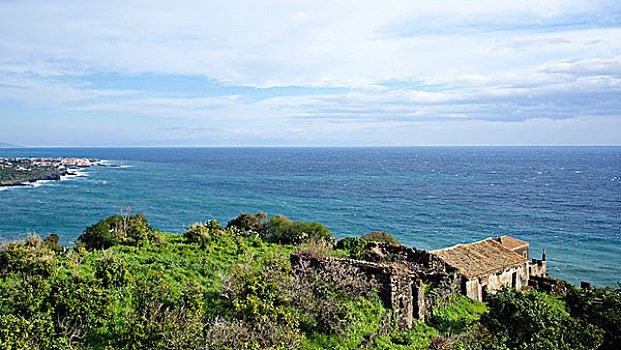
(400, 62)
(307, 43)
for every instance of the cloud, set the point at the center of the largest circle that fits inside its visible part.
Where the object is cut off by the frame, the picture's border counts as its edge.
(353, 64)
(305, 43)
(184, 107)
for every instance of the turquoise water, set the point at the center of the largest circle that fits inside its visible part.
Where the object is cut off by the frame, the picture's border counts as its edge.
(566, 199)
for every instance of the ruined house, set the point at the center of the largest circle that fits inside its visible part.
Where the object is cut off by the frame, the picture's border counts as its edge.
(486, 266)
(400, 289)
(398, 272)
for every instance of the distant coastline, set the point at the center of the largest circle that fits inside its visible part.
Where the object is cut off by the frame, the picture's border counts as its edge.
(22, 171)
(9, 145)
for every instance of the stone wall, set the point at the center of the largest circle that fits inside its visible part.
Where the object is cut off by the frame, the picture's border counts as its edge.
(537, 268)
(444, 280)
(515, 277)
(399, 288)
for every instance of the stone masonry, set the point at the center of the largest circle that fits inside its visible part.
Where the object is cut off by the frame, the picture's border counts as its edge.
(399, 288)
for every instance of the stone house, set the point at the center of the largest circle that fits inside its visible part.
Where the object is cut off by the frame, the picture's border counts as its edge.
(397, 273)
(514, 244)
(485, 266)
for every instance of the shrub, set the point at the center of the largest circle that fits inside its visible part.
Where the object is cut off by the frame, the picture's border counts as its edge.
(536, 320)
(17, 257)
(354, 246)
(282, 230)
(221, 333)
(456, 316)
(256, 298)
(15, 333)
(381, 237)
(27, 298)
(115, 229)
(75, 303)
(601, 308)
(37, 332)
(14, 257)
(51, 242)
(250, 224)
(104, 234)
(206, 233)
(113, 273)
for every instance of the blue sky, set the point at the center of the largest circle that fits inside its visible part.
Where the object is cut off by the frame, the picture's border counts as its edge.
(310, 73)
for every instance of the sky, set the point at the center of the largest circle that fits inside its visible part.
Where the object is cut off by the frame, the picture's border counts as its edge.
(310, 73)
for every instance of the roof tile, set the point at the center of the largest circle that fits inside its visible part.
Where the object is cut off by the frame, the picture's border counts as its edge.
(479, 258)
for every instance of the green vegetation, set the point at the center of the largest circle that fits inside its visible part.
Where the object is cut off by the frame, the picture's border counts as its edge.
(126, 285)
(381, 237)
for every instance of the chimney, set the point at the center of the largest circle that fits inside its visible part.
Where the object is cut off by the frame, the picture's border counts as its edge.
(544, 254)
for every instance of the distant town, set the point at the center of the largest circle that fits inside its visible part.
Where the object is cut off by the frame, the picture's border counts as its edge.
(22, 171)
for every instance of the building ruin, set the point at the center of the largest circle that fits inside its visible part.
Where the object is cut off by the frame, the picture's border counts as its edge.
(400, 274)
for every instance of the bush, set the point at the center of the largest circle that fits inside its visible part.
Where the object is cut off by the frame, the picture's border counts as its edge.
(381, 237)
(27, 298)
(113, 273)
(104, 234)
(115, 229)
(78, 304)
(250, 224)
(354, 246)
(51, 242)
(17, 257)
(14, 257)
(536, 320)
(205, 234)
(458, 315)
(15, 333)
(256, 299)
(140, 232)
(601, 308)
(282, 230)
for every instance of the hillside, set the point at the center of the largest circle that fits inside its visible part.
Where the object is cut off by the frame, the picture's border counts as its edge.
(8, 145)
(126, 285)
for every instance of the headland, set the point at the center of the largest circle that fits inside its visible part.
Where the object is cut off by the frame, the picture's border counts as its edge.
(23, 171)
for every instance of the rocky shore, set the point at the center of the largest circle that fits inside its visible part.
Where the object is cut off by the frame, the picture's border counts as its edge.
(27, 171)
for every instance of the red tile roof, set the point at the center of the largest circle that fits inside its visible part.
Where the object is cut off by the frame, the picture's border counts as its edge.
(480, 258)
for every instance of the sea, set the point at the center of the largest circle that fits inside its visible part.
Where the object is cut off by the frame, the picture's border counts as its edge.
(564, 199)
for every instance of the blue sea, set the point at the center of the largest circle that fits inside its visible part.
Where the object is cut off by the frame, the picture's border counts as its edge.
(564, 199)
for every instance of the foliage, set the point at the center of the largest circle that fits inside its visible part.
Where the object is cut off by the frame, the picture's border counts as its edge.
(19, 333)
(380, 237)
(458, 315)
(250, 224)
(113, 273)
(536, 320)
(51, 242)
(601, 308)
(282, 230)
(205, 234)
(116, 229)
(104, 234)
(234, 288)
(18, 257)
(76, 303)
(354, 246)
